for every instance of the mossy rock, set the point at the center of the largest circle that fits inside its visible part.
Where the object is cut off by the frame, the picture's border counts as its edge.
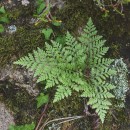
(20, 43)
(19, 102)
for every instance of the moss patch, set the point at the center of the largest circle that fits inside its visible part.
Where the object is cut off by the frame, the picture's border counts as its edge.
(20, 102)
(19, 44)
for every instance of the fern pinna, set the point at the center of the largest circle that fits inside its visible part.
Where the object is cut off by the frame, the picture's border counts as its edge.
(77, 66)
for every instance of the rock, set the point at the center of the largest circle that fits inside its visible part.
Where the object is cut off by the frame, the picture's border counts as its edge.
(19, 77)
(25, 2)
(5, 117)
(56, 3)
(12, 29)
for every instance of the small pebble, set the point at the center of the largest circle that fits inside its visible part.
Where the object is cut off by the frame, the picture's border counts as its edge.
(12, 29)
(25, 2)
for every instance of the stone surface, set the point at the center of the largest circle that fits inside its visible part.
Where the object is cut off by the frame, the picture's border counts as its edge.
(19, 77)
(5, 117)
(56, 3)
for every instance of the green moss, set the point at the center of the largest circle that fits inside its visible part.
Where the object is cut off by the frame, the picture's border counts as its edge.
(73, 106)
(75, 14)
(20, 102)
(14, 14)
(20, 43)
(20, 12)
(116, 119)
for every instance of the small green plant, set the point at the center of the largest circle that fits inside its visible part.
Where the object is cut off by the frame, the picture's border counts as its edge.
(78, 65)
(42, 99)
(47, 33)
(3, 18)
(43, 15)
(40, 6)
(22, 127)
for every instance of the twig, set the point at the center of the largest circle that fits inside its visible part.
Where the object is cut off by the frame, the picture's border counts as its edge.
(43, 113)
(42, 127)
(66, 120)
(69, 120)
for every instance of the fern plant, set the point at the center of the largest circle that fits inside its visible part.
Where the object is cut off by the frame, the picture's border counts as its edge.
(78, 65)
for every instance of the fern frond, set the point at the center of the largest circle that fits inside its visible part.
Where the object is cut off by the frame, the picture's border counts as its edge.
(77, 66)
(100, 70)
